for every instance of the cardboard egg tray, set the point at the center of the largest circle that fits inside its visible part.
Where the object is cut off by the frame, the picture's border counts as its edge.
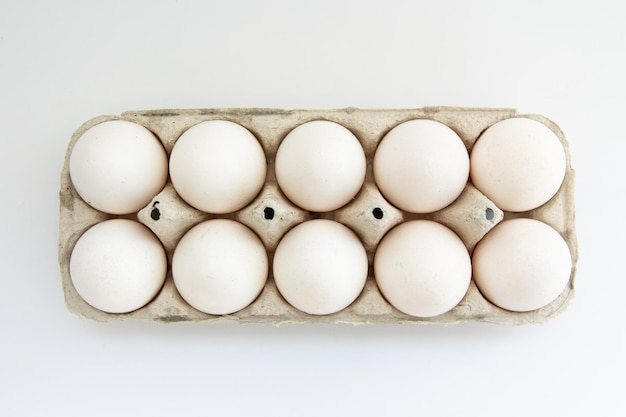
(369, 215)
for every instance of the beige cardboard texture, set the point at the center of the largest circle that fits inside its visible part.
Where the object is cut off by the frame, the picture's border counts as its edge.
(466, 216)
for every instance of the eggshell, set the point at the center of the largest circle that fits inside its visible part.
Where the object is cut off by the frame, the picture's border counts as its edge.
(118, 266)
(320, 166)
(118, 166)
(421, 166)
(320, 267)
(518, 163)
(422, 268)
(219, 266)
(217, 166)
(522, 265)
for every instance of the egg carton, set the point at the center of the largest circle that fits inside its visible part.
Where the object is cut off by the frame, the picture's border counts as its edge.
(270, 215)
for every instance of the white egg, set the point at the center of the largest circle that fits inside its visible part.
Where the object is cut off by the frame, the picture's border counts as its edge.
(522, 265)
(218, 166)
(118, 266)
(518, 163)
(422, 268)
(320, 267)
(421, 166)
(320, 166)
(118, 166)
(219, 266)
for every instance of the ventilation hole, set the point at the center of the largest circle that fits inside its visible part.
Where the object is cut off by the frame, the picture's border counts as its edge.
(155, 214)
(268, 213)
(489, 213)
(377, 213)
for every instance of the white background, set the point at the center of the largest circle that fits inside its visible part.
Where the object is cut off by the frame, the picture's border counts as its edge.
(62, 63)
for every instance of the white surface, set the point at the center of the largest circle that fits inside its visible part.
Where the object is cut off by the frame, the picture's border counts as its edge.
(522, 265)
(320, 166)
(118, 265)
(218, 166)
(518, 163)
(422, 268)
(320, 266)
(118, 166)
(220, 266)
(65, 62)
(421, 166)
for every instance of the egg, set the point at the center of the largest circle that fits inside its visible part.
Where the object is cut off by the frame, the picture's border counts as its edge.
(118, 266)
(219, 266)
(518, 163)
(421, 166)
(320, 166)
(217, 166)
(422, 268)
(522, 265)
(118, 166)
(320, 267)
